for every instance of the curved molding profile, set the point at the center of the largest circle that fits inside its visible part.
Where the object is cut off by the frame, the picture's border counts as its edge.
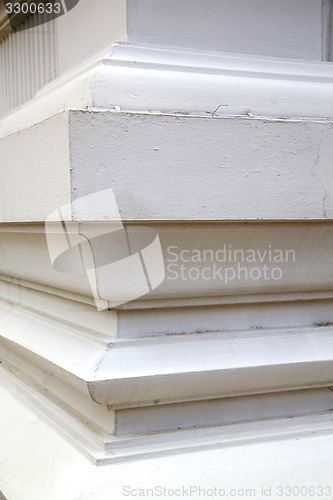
(138, 380)
(162, 79)
(77, 371)
(181, 368)
(159, 79)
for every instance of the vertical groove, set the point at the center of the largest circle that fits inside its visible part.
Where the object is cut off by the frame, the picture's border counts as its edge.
(24, 69)
(32, 57)
(28, 60)
(330, 35)
(10, 72)
(42, 45)
(326, 30)
(34, 33)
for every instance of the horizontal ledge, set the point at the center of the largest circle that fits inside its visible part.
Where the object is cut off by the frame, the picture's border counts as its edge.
(38, 226)
(226, 62)
(30, 266)
(103, 448)
(144, 78)
(52, 294)
(212, 83)
(170, 368)
(209, 365)
(237, 434)
(195, 179)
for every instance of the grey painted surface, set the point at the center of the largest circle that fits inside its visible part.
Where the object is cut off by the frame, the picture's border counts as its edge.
(284, 28)
(192, 168)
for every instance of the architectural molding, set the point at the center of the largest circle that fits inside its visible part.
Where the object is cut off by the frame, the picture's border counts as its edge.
(155, 141)
(179, 241)
(166, 254)
(121, 374)
(150, 371)
(212, 83)
(67, 473)
(143, 78)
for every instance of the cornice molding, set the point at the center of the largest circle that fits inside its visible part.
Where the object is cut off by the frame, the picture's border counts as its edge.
(33, 270)
(143, 78)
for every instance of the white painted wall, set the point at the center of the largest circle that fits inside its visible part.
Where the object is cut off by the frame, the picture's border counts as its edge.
(194, 168)
(35, 169)
(77, 40)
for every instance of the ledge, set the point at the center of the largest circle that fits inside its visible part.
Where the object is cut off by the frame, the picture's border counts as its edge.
(159, 79)
(61, 373)
(57, 470)
(131, 373)
(91, 374)
(174, 80)
(169, 167)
